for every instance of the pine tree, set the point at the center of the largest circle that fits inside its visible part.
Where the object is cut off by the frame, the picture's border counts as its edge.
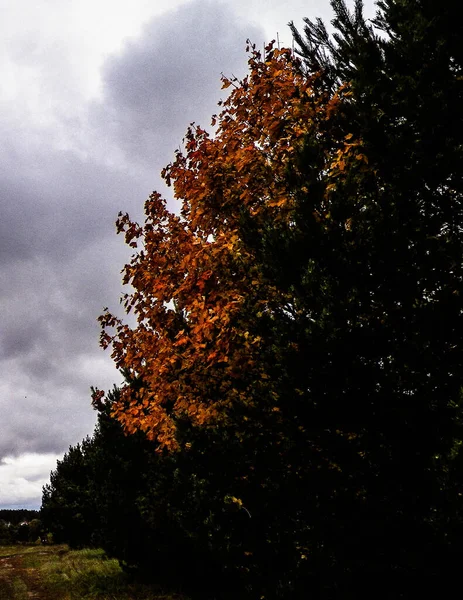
(403, 377)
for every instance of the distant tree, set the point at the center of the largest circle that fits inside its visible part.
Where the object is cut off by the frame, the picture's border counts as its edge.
(17, 515)
(22, 533)
(19, 525)
(5, 533)
(35, 530)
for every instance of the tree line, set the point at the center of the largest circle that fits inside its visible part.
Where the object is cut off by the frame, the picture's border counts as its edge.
(19, 525)
(291, 420)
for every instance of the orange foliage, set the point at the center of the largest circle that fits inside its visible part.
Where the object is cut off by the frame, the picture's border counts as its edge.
(196, 284)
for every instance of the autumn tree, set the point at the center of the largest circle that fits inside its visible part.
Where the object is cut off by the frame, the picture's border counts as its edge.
(202, 291)
(300, 317)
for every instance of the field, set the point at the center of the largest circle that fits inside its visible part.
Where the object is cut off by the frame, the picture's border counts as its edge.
(57, 573)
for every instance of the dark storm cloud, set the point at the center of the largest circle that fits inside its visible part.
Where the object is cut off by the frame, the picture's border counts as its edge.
(60, 267)
(60, 260)
(54, 203)
(171, 77)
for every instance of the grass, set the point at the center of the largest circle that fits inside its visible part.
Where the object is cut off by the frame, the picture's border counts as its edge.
(17, 550)
(57, 573)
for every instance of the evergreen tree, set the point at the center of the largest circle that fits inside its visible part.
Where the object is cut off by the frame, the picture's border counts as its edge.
(67, 508)
(396, 355)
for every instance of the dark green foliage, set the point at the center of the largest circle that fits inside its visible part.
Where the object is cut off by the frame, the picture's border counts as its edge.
(5, 534)
(67, 505)
(90, 495)
(19, 525)
(17, 515)
(385, 357)
(114, 491)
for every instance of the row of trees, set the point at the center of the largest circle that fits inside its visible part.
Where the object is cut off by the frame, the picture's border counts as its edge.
(15, 516)
(294, 378)
(20, 525)
(117, 492)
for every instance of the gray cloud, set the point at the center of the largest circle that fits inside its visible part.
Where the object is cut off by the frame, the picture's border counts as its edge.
(22, 479)
(171, 77)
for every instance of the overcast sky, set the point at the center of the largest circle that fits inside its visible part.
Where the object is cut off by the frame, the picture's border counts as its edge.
(96, 96)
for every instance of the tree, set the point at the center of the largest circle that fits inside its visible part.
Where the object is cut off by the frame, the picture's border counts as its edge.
(302, 314)
(91, 497)
(199, 279)
(115, 492)
(218, 312)
(5, 533)
(67, 508)
(406, 88)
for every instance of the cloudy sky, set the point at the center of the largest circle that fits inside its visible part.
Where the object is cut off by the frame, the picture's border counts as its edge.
(96, 96)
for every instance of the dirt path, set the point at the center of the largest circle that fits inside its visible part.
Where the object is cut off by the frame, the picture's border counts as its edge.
(19, 582)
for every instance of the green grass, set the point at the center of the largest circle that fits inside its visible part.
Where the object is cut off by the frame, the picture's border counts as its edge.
(10, 550)
(57, 573)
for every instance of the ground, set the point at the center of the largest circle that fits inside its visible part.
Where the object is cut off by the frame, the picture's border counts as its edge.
(19, 581)
(57, 573)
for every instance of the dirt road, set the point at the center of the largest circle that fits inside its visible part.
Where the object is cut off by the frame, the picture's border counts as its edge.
(21, 582)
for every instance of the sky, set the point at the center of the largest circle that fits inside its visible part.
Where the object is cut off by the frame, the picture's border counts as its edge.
(96, 96)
